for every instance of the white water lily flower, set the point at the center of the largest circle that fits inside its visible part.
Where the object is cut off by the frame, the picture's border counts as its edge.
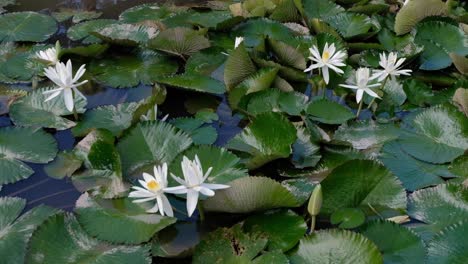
(149, 114)
(50, 55)
(390, 67)
(362, 85)
(194, 184)
(62, 76)
(238, 41)
(153, 189)
(330, 58)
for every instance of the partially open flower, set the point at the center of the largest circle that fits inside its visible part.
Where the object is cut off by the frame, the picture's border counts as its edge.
(390, 67)
(362, 84)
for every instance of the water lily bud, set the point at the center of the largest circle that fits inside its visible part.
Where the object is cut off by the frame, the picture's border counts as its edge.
(58, 48)
(315, 201)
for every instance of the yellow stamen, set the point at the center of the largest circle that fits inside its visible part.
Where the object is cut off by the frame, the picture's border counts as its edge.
(153, 185)
(326, 56)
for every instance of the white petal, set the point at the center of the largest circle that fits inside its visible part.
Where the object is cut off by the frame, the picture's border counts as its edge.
(176, 190)
(68, 97)
(160, 205)
(206, 191)
(147, 177)
(179, 180)
(167, 206)
(214, 186)
(192, 200)
(326, 76)
(153, 209)
(359, 95)
(144, 200)
(52, 96)
(372, 93)
(349, 86)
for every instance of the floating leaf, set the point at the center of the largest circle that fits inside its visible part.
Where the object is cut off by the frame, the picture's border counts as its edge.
(367, 182)
(256, 30)
(366, 134)
(194, 82)
(180, 41)
(274, 100)
(446, 248)
(196, 128)
(140, 13)
(115, 118)
(305, 152)
(126, 34)
(321, 9)
(19, 144)
(31, 110)
(249, 194)
(440, 206)
(71, 244)
(129, 71)
(288, 55)
(272, 224)
(336, 246)
(416, 10)
(328, 112)
(413, 173)
(238, 67)
(442, 135)
(397, 243)
(205, 62)
(82, 31)
(102, 219)
(348, 218)
(16, 234)
(439, 40)
(151, 143)
(351, 25)
(26, 26)
(267, 138)
(229, 246)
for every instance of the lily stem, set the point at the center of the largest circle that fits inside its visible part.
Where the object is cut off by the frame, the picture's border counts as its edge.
(312, 223)
(359, 109)
(201, 212)
(75, 114)
(381, 88)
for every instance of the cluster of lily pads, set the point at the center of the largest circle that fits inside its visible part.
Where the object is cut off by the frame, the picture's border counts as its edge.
(274, 122)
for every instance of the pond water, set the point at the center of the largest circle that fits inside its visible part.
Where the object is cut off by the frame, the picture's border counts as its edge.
(41, 189)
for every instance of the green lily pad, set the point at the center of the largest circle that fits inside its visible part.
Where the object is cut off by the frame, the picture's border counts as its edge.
(194, 82)
(126, 34)
(397, 243)
(267, 138)
(274, 100)
(305, 152)
(413, 173)
(446, 248)
(440, 206)
(115, 118)
(238, 67)
(76, 15)
(351, 25)
(129, 70)
(102, 218)
(368, 182)
(151, 143)
(144, 12)
(82, 31)
(328, 112)
(200, 133)
(179, 41)
(416, 10)
(288, 55)
(441, 135)
(26, 26)
(18, 144)
(272, 224)
(336, 246)
(31, 110)
(249, 194)
(205, 62)
(64, 165)
(366, 134)
(321, 9)
(71, 244)
(16, 230)
(256, 30)
(348, 218)
(229, 245)
(437, 46)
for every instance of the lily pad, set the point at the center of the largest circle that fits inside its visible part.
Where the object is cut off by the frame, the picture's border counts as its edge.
(82, 31)
(272, 224)
(321, 9)
(194, 82)
(328, 112)
(336, 246)
(446, 248)
(369, 183)
(16, 230)
(31, 110)
(267, 138)
(118, 220)
(129, 70)
(238, 67)
(397, 243)
(26, 26)
(348, 218)
(249, 194)
(151, 143)
(274, 100)
(71, 244)
(366, 134)
(440, 206)
(200, 133)
(18, 144)
(439, 40)
(126, 34)
(180, 41)
(145, 12)
(229, 245)
(441, 135)
(416, 10)
(351, 25)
